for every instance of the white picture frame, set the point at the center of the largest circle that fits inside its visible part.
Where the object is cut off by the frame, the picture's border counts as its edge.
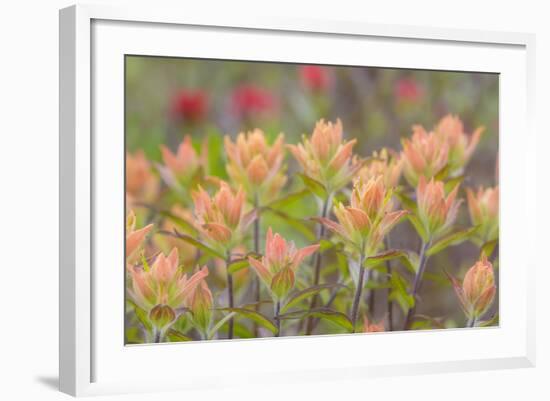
(92, 39)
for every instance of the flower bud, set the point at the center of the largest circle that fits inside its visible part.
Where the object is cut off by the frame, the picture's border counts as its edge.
(162, 316)
(282, 283)
(201, 305)
(479, 287)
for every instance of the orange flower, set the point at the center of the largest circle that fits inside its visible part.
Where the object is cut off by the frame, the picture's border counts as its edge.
(180, 169)
(436, 211)
(141, 183)
(369, 327)
(477, 291)
(384, 163)
(369, 217)
(461, 145)
(279, 264)
(424, 154)
(134, 238)
(163, 285)
(255, 165)
(221, 219)
(326, 157)
(483, 206)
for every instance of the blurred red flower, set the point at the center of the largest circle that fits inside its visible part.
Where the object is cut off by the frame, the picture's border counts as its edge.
(189, 105)
(408, 89)
(314, 77)
(249, 99)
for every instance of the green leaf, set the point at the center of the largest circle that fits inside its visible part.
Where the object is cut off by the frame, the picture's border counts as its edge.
(143, 317)
(295, 223)
(314, 186)
(288, 199)
(333, 316)
(488, 247)
(406, 200)
(184, 224)
(442, 174)
(383, 257)
(242, 263)
(399, 292)
(196, 243)
(493, 321)
(418, 226)
(218, 325)
(256, 317)
(216, 159)
(176, 337)
(306, 293)
(452, 239)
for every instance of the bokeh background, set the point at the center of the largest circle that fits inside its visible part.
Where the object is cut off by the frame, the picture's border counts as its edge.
(167, 98)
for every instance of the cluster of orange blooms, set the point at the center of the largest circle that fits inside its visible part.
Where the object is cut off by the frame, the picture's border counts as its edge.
(185, 265)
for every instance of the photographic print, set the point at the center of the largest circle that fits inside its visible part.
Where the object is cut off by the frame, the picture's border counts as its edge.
(276, 199)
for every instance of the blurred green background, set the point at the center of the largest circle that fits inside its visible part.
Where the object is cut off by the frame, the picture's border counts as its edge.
(169, 97)
(377, 106)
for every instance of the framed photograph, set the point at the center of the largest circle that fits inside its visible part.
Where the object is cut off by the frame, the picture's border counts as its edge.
(260, 198)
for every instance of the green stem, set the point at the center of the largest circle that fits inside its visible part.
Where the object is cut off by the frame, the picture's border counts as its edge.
(277, 319)
(230, 297)
(417, 281)
(157, 336)
(388, 275)
(471, 322)
(256, 279)
(317, 263)
(358, 291)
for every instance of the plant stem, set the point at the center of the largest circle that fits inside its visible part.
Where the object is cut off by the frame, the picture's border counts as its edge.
(387, 244)
(471, 322)
(157, 336)
(417, 281)
(229, 296)
(277, 320)
(256, 279)
(317, 262)
(358, 291)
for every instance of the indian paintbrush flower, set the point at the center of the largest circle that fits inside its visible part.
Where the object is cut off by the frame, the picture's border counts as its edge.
(314, 77)
(372, 327)
(189, 105)
(477, 291)
(424, 154)
(162, 286)
(437, 211)
(250, 100)
(385, 163)
(141, 184)
(278, 265)
(221, 218)
(200, 305)
(483, 206)
(255, 165)
(134, 238)
(408, 89)
(182, 168)
(461, 145)
(369, 217)
(326, 157)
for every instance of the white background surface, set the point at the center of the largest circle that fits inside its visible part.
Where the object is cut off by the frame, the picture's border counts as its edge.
(28, 201)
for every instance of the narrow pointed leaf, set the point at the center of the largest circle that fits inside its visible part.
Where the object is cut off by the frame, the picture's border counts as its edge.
(452, 239)
(330, 315)
(306, 293)
(288, 199)
(183, 223)
(314, 186)
(488, 247)
(218, 325)
(256, 317)
(175, 336)
(196, 243)
(383, 257)
(418, 227)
